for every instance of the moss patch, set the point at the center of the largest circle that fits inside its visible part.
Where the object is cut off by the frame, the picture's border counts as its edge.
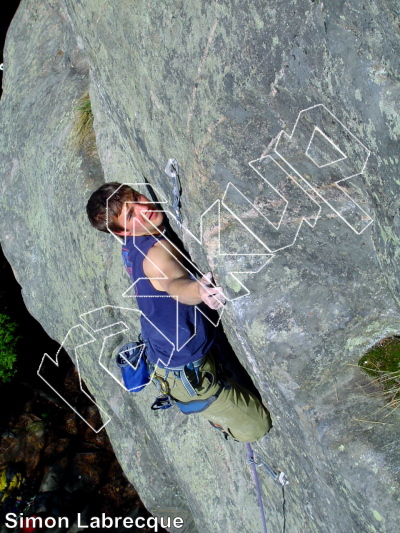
(83, 136)
(382, 362)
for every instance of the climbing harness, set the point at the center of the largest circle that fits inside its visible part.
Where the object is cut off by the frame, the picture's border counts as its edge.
(197, 406)
(137, 371)
(180, 372)
(172, 170)
(279, 478)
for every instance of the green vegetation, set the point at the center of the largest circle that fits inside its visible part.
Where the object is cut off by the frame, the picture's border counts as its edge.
(83, 136)
(8, 343)
(382, 362)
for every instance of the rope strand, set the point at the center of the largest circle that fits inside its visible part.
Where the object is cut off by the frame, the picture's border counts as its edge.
(260, 502)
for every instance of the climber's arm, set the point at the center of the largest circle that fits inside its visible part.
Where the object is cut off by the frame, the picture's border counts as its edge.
(163, 262)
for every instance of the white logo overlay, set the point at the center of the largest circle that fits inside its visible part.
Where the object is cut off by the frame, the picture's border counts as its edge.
(288, 187)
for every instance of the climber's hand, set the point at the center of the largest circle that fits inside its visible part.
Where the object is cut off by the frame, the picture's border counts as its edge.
(212, 296)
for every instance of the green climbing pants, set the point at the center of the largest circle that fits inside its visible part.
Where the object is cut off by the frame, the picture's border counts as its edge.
(236, 409)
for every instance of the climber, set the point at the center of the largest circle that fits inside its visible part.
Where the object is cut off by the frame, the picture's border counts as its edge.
(187, 368)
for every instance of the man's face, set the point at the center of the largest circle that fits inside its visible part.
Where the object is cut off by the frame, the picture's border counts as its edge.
(139, 217)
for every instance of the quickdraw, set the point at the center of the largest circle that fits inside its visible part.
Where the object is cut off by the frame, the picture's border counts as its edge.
(172, 170)
(278, 477)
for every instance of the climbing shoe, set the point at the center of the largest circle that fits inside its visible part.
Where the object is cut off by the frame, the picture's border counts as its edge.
(220, 428)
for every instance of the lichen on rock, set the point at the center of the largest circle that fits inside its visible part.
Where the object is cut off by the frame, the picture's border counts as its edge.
(214, 84)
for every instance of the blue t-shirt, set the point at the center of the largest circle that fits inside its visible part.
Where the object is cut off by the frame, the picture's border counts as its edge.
(176, 333)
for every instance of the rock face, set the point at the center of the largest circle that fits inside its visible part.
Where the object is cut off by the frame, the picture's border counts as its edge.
(213, 83)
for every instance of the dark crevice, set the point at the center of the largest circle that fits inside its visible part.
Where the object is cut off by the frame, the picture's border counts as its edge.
(7, 13)
(227, 357)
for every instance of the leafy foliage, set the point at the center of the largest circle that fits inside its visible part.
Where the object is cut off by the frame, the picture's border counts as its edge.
(8, 343)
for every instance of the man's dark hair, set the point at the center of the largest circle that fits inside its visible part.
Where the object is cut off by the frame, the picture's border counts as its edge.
(105, 205)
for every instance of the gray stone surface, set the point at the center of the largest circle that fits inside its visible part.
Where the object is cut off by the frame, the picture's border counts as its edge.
(212, 84)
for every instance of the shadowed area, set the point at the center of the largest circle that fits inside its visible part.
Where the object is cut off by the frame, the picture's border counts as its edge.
(217, 85)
